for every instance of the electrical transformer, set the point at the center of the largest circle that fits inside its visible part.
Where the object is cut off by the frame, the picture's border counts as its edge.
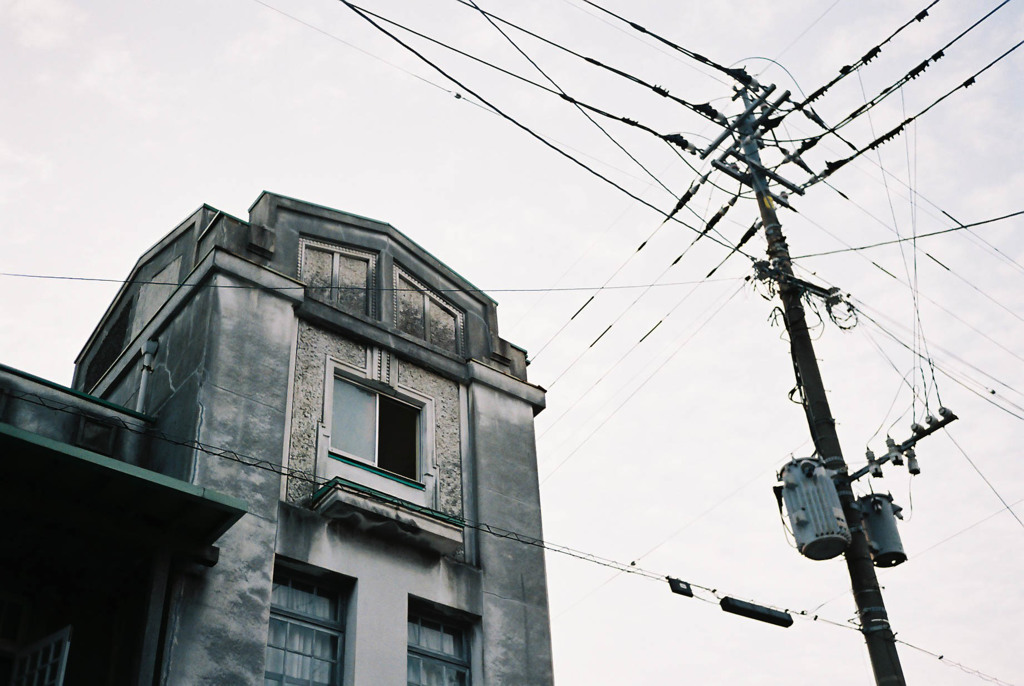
(819, 526)
(879, 515)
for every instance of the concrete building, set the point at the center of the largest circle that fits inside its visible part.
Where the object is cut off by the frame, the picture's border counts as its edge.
(294, 452)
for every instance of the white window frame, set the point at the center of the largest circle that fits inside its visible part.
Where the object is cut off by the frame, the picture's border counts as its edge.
(332, 463)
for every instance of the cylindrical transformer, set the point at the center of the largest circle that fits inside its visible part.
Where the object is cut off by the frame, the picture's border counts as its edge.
(815, 513)
(879, 515)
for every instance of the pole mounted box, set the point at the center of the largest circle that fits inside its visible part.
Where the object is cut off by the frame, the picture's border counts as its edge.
(815, 513)
(879, 515)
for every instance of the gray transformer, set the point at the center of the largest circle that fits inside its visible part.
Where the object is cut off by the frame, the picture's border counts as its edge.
(879, 515)
(815, 513)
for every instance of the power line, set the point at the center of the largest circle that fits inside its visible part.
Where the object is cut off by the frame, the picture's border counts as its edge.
(961, 227)
(686, 197)
(644, 292)
(988, 392)
(643, 383)
(807, 30)
(983, 477)
(909, 76)
(517, 123)
(704, 110)
(867, 57)
(299, 287)
(561, 90)
(365, 52)
(832, 167)
(740, 75)
(553, 91)
(963, 668)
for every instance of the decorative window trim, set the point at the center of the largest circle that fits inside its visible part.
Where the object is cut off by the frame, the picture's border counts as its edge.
(429, 294)
(422, 491)
(337, 249)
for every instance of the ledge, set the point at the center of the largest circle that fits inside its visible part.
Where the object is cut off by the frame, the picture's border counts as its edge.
(389, 517)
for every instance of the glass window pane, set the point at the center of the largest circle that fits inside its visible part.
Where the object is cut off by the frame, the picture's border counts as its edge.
(275, 660)
(443, 327)
(316, 271)
(297, 666)
(300, 639)
(280, 595)
(277, 633)
(321, 672)
(433, 673)
(352, 282)
(410, 315)
(414, 633)
(413, 670)
(448, 642)
(325, 645)
(320, 607)
(430, 636)
(354, 420)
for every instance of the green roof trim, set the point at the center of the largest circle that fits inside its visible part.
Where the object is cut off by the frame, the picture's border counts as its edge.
(85, 396)
(232, 508)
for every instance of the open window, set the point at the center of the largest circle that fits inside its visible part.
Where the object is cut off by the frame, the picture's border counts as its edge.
(376, 429)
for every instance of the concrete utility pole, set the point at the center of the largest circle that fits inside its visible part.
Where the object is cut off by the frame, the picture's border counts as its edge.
(873, 619)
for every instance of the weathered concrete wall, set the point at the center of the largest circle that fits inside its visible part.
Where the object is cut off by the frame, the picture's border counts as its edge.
(218, 624)
(516, 628)
(386, 576)
(447, 450)
(313, 347)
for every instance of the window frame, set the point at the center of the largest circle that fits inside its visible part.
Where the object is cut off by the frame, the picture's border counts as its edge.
(337, 250)
(462, 663)
(334, 627)
(431, 300)
(336, 452)
(423, 490)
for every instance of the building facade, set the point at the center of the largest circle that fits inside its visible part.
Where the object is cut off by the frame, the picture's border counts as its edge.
(362, 437)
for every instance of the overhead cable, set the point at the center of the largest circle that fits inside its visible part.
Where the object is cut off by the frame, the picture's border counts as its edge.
(867, 57)
(518, 124)
(961, 227)
(832, 167)
(561, 90)
(740, 75)
(705, 109)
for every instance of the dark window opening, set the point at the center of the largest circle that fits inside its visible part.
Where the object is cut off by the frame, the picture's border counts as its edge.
(376, 429)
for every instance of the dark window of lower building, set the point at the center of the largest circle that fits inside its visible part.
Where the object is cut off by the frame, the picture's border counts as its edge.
(305, 638)
(438, 653)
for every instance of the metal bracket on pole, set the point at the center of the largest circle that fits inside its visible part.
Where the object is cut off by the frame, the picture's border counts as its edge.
(732, 127)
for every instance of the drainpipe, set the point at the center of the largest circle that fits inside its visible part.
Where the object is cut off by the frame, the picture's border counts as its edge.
(149, 349)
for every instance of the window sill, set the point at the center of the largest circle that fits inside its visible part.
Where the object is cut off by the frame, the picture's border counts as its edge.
(387, 516)
(359, 464)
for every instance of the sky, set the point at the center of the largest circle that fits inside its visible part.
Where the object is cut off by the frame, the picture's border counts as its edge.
(120, 118)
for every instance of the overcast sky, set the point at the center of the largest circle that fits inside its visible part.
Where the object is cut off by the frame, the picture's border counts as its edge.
(119, 118)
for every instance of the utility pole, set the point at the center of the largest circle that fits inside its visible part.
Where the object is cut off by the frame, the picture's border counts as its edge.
(873, 618)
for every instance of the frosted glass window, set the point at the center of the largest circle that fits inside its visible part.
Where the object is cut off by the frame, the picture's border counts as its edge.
(354, 421)
(304, 639)
(438, 654)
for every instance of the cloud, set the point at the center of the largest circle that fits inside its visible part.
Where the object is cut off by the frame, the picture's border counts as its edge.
(42, 23)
